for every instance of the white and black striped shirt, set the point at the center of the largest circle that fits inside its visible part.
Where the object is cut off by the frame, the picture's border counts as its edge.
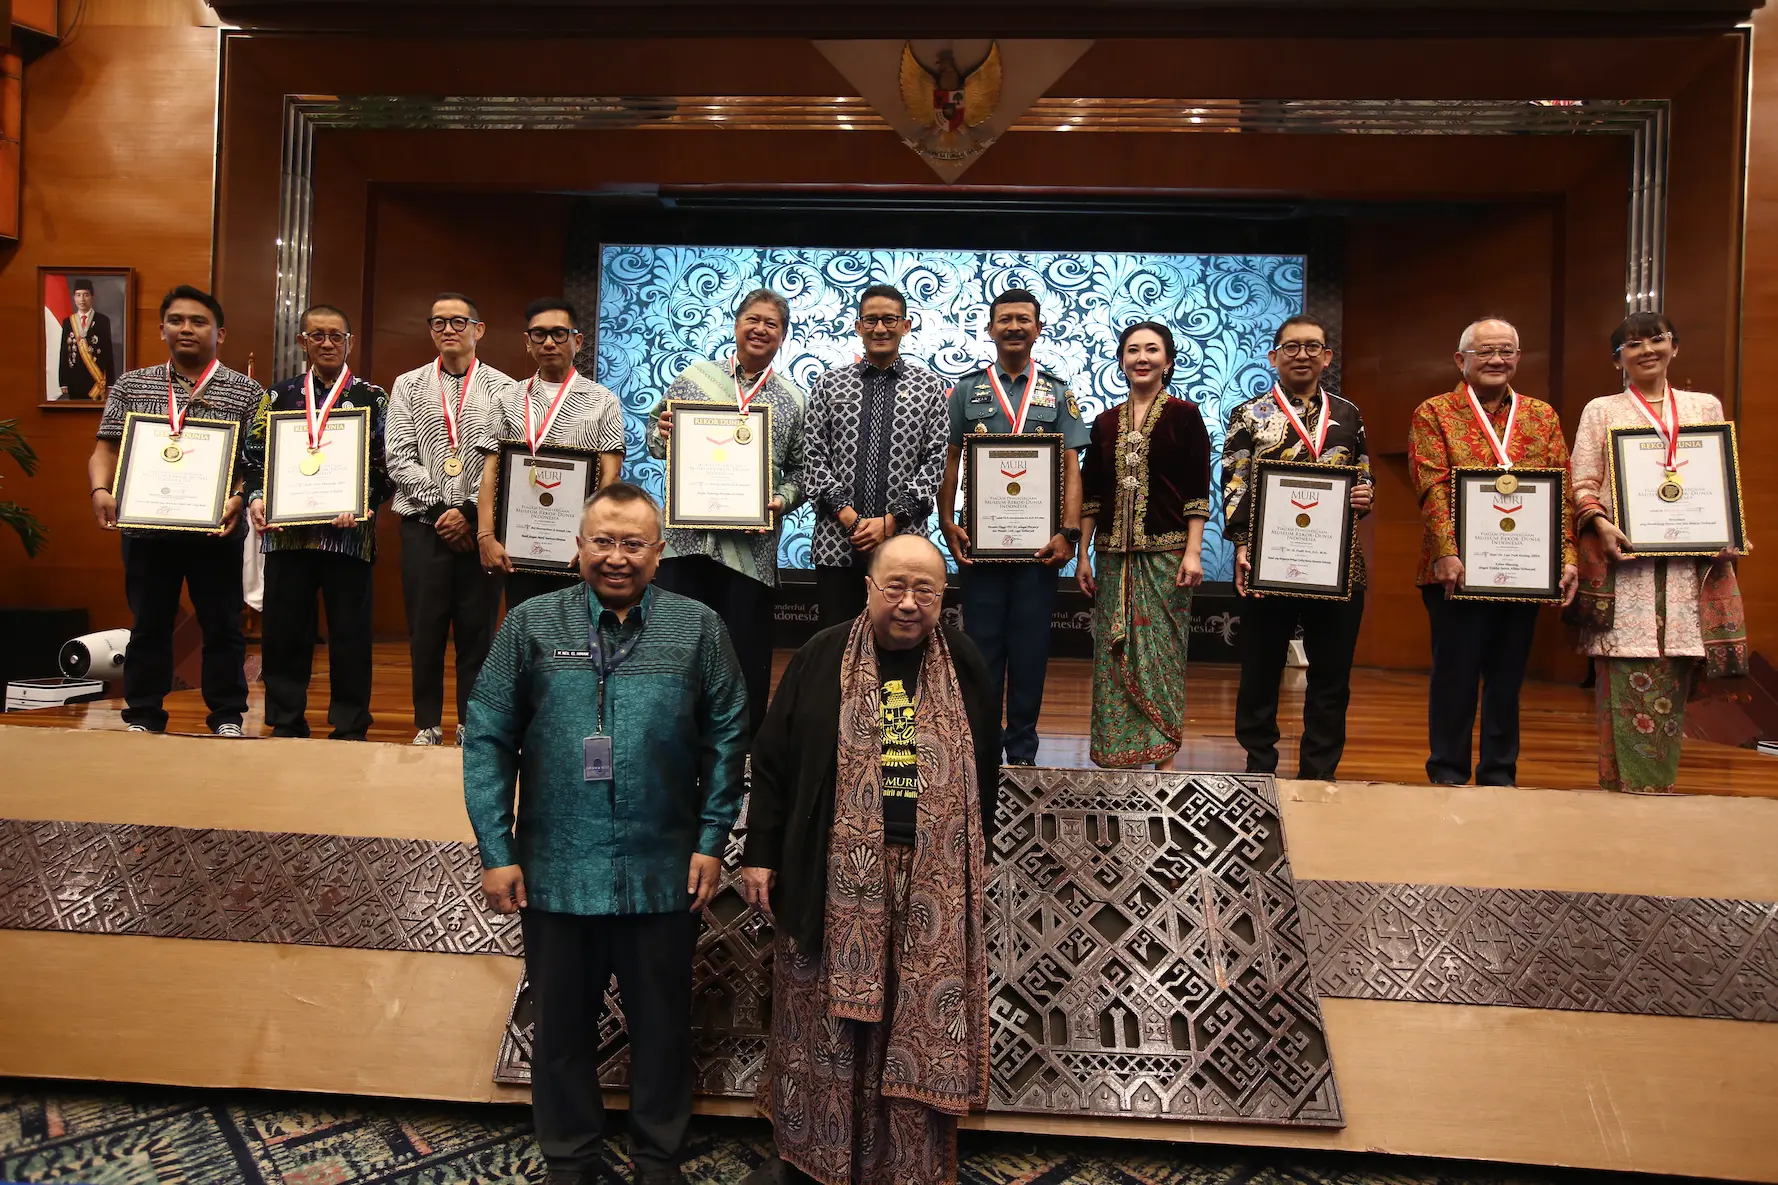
(417, 445)
(591, 416)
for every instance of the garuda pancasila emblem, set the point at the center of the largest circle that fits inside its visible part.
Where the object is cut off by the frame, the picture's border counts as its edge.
(948, 103)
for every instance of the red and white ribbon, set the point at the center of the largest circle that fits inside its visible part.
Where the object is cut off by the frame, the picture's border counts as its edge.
(175, 413)
(534, 437)
(1500, 442)
(1315, 443)
(450, 417)
(317, 417)
(1668, 431)
(744, 398)
(1017, 420)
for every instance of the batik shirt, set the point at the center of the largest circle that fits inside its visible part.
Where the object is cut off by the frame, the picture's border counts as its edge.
(753, 556)
(874, 442)
(1446, 435)
(1260, 431)
(359, 541)
(417, 445)
(229, 396)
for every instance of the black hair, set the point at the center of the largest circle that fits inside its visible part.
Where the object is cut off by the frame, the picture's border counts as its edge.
(303, 321)
(764, 296)
(82, 285)
(548, 304)
(623, 493)
(1638, 325)
(888, 290)
(1014, 296)
(1166, 336)
(474, 312)
(187, 292)
(1302, 319)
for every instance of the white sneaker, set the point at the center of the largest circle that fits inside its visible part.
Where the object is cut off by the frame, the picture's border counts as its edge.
(228, 730)
(429, 736)
(140, 728)
(459, 736)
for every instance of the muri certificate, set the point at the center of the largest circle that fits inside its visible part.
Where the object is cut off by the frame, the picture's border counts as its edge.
(174, 483)
(1302, 529)
(305, 485)
(719, 466)
(1015, 485)
(537, 509)
(1510, 543)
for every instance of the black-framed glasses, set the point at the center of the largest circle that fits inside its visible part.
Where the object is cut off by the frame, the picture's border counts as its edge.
(631, 547)
(459, 324)
(555, 333)
(924, 595)
(886, 320)
(1304, 349)
(1489, 353)
(331, 337)
(1646, 343)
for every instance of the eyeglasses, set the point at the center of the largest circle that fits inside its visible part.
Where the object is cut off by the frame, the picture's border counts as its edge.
(440, 324)
(894, 594)
(330, 337)
(1504, 353)
(1646, 343)
(555, 333)
(1305, 349)
(886, 320)
(605, 545)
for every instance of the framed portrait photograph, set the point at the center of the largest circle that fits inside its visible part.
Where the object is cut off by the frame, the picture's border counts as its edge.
(168, 483)
(719, 466)
(537, 503)
(88, 330)
(306, 487)
(1509, 533)
(1693, 509)
(1302, 532)
(1013, 502)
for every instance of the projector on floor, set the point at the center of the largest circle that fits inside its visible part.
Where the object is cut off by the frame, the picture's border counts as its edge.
(24, 694)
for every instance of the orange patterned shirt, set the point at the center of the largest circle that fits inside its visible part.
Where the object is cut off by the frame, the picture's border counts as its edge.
(1445, 435)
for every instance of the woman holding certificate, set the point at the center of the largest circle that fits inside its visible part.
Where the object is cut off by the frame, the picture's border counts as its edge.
(1647, 619)
(1146, 494)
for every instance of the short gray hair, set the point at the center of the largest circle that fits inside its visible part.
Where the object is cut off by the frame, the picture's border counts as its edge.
(765, 296)
(1468, 338)
(623, 493)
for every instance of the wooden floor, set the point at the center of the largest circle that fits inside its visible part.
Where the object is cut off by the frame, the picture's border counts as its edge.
(1386, 730)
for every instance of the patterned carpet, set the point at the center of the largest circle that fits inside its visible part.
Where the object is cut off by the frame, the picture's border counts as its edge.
(102, 1134)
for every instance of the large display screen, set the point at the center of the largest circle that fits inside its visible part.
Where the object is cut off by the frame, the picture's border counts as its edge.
(663, 307)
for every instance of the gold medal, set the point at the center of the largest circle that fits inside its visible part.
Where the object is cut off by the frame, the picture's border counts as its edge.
(546, 498)
(1012, 488)
(981, 427)
(1506, 483)
(743, 434)
(1507, 524)
(1670, 490)
(310, 465)
(1302, 520)
(453, 466)
(172, 453)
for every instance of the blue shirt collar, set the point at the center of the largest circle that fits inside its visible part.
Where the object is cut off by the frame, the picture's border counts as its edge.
(600, 614)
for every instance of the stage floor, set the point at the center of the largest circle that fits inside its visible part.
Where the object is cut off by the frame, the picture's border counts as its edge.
(1386, 731)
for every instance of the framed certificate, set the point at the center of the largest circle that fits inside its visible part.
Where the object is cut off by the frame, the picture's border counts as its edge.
(538, 500)
(303, 488)
(1014, 506)
(719, 466)
(163, 484)
(1302, 538)
(1694, 511)
(1509, 533)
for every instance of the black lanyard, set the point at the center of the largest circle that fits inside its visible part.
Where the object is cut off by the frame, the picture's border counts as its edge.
(603, 663)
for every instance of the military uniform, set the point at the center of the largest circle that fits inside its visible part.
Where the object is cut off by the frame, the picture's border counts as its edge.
(1007, 607)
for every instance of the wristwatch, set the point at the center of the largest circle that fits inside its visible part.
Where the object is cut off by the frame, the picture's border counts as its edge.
(1072, 534)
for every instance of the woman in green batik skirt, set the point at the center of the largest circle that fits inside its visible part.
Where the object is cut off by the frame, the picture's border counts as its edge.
(1146, 494)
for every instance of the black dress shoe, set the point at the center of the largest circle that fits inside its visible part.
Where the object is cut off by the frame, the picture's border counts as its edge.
(1024, 761)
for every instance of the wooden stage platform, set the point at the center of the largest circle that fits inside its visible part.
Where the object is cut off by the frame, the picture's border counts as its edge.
(1385, 742)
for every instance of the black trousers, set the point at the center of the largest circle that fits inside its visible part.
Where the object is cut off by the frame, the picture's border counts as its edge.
(569, 960)
(522, 586)
(154, 569)
(293, 581)
(745, 606)
(446, 594)
(1006, 613)
(1486, 642)
(840, 593)
(1330, 636)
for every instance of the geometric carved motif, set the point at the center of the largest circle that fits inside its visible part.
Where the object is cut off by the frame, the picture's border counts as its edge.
(1588, 952)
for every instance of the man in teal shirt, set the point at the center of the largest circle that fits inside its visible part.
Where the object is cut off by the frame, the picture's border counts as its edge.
(621, 711)
(1007, 606)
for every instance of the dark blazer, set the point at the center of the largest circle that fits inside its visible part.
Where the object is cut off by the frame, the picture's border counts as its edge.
(795, 760)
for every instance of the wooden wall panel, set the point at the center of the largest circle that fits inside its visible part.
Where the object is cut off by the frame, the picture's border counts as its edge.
(1759, 329)
(119, 146)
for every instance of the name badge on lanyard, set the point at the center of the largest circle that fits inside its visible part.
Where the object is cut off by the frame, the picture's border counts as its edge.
(595, 756)
(598, 763)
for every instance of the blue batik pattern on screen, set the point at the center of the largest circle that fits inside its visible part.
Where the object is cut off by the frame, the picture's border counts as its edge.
(662, 308)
